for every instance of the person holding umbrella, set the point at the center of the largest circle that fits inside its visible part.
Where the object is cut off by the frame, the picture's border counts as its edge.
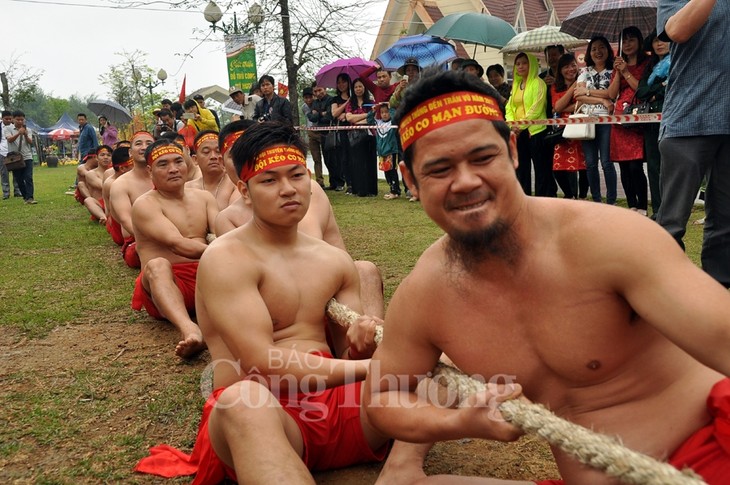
(592, 93)
(471, 66)
(107, 131)
(627, 145)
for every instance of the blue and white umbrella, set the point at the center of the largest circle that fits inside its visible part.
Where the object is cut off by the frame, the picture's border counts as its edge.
(427, 49)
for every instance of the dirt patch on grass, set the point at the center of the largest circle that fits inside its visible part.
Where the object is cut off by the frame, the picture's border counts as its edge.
(84, 403)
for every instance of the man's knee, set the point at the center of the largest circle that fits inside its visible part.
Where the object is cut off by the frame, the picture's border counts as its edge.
(369, 273)
(243, 402)
(158, 269)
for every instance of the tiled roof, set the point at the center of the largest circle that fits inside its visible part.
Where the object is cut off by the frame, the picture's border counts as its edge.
(434, 12)
(564, 7)
(504, 9)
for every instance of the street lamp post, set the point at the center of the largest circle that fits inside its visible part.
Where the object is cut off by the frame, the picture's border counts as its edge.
(213, 14)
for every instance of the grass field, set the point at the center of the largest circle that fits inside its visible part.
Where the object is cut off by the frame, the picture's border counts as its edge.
(88, 384)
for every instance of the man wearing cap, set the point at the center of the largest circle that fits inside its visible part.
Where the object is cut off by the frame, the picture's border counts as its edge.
(545, 303)
(410, 71)
(121, 164)
(213, 176)
(171, 224)
(94, 182)
(126, 189)
(283, 404)
(471, 66)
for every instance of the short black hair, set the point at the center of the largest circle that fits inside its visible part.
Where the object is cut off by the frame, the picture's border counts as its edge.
(435, 82)
(164, 112)
(559, 47)
(199, 97)
(261, 136)
(232, 127)
(266, 77)
(254, 87)
(190, 103)
(166, 101)
(119, 156)
(6, 113)
(496, 67)
(457, 62)
(81, 114)
(17, 113)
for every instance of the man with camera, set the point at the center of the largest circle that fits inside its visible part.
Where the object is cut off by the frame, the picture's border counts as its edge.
(272, 107)
(20, 139)
(167, 123)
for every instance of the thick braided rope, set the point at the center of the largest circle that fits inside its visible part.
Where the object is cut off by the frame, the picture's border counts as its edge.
(590, 448)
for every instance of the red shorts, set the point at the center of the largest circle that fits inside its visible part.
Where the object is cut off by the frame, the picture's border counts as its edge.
(330, 427)
(184, 275)
(707, 451)
(129, 253)
(101, 203)
(115, 230)
(77, 195)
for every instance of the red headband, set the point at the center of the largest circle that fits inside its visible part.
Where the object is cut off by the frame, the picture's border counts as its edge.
(272, 158)
(128, 163)
(446, 109)
(207, 137)
(229, 140)
(163, 150)
(139, 133)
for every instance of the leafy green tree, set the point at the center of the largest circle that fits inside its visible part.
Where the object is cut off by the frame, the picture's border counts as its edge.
(19, 82)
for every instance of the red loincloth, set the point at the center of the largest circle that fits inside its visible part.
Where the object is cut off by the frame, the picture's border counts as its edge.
(129, 253)
(77, 195)
(707, 451)
(184, 275)
(329, 422)
(115, 230)
(101, 202)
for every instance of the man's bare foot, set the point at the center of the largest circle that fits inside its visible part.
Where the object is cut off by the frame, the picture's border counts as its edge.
(191, 346)
(102, 221)
(404, 465)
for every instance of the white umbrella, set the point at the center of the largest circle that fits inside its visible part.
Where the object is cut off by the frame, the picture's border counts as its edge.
(536, 40)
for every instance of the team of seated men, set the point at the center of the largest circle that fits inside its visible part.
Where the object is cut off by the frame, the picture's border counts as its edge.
(627, 340)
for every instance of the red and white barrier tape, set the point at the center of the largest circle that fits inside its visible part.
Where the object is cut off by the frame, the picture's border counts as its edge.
(598, 120)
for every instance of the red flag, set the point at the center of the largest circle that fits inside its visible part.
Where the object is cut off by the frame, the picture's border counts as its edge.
(182, 90)
(283, 90)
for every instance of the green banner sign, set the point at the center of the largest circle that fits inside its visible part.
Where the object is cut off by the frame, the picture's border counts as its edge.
(241, 58)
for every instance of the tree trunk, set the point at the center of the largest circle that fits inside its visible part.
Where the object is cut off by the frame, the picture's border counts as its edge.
(291, 68)
(5, 93)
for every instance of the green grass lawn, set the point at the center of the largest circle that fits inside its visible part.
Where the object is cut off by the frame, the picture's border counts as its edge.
(86, 410)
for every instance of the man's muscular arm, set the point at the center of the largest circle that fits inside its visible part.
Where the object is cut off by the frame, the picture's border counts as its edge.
(236, 310)
(405, 356)
(149, 220)
(668, 291)
(688, 20)
(121, 207)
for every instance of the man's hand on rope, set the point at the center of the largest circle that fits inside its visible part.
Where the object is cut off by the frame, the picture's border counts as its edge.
(479, 413)
(361, 337)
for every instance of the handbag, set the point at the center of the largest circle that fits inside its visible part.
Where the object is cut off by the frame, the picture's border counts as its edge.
(583, 131)
(356, 136)
(332, 140)
(636, 108)
(14, 160)
(554, 134)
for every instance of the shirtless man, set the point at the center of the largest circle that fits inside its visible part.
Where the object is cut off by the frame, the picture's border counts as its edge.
(120, 144)
(126, 189)
(94, 181)
(623, 338)
(170, 225)
(82, 191)
(213, 174)
(262, 314)
(319, 222)
(121, 164)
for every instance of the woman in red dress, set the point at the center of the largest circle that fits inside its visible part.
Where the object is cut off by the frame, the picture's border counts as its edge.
(568, 158)
(627, 144)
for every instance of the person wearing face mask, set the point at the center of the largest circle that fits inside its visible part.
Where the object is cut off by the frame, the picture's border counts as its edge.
(652, 87)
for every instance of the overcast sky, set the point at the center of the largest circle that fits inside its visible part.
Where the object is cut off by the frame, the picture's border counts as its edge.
(74, 41)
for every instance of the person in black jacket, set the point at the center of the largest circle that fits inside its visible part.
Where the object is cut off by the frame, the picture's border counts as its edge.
(272, 107)
(321, 115)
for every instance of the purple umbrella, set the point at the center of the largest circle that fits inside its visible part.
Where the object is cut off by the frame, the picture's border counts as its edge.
(609, 17)
(327, 76)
